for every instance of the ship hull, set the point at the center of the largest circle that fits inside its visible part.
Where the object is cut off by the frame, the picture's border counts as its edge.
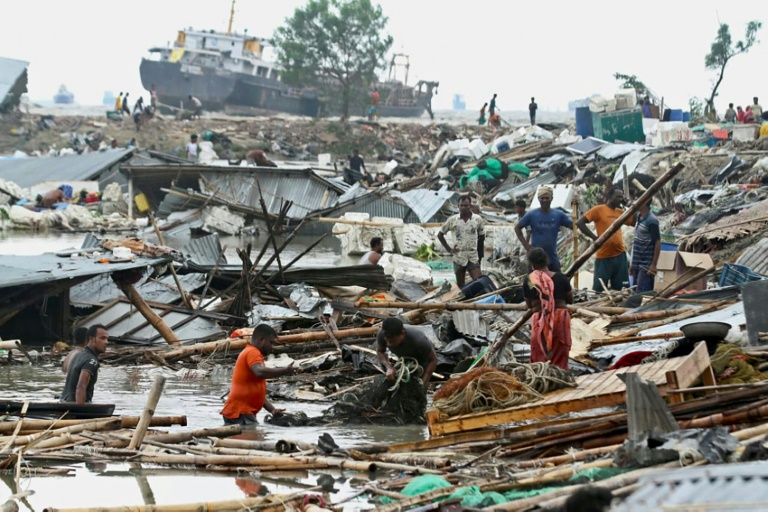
(221, 90)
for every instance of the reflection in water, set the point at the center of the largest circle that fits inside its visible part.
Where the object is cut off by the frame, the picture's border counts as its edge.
(199, 400)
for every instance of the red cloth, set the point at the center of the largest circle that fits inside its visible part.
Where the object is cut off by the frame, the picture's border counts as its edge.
(631, 359)
(248, 392)
(561, 339)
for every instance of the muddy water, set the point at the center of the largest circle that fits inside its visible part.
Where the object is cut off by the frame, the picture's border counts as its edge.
(198, 398)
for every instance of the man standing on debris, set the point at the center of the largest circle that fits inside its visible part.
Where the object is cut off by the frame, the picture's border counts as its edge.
(197, 107)
(119, 103)
(153, 97)
(545, 224)
(469, 241)
(373, 256)
(757, 110)
(645, 249)
(611, 259)
(356, 163)
(492, 106)
(193, 148)
(83, 369)
(548, 294)
(520, 207)
(481, 120)
(405, 341)
(730, 114)
(126, 105)
(532, 108)
(248, 394)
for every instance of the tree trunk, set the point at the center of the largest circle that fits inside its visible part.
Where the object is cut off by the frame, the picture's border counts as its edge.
(345, 86)
(711, 101)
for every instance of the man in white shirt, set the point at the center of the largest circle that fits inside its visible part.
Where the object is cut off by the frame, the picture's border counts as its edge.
(192, 148)
(197, 107)
(373, 256)
(469, 239)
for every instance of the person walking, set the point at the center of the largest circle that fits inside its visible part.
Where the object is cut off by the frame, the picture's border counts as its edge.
(611, 259)
(248, 393)
(126, 106)
(481, 120)
(197, 107)
(545, 224)
(532, 108)
(730, 114)
(492, 106)
(193, 148)
(548, 294)
(119, 103)
(469, 239)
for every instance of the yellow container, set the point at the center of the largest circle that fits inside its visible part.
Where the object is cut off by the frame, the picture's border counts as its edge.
(141, 203)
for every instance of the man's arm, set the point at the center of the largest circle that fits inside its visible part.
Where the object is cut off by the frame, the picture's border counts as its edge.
(262, 372)
(655, 235)
(520, 236)
(82, 386)
(443, 241)
(374, 258)
(430, 368)
(582, 224)
(381, 352)
(480, 247)
(271, 409)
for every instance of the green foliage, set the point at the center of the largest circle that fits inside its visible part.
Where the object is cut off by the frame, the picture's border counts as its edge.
(427, 253)
(340, 40)
(723, 50)
(696, 107)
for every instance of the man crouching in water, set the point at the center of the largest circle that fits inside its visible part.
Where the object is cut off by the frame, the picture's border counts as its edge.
(248, 394)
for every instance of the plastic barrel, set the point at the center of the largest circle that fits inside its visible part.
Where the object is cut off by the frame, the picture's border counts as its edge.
(675, 115)
(584, 122)
(686, 117)
(502, 146)
(666, 246)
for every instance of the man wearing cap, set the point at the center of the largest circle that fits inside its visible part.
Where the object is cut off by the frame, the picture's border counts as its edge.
(545, 224)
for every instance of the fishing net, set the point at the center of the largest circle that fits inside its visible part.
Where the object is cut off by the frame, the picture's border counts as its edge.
(482, 389)
(542, 377)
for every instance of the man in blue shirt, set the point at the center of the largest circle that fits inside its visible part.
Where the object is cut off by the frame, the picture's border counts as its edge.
(645, 250)
(545, 225)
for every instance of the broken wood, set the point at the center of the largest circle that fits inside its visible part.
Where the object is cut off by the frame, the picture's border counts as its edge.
(149, 411)
(153, 318)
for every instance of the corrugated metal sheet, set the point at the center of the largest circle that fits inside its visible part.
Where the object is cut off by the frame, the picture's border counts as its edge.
(425, 203)
(47, 268)
(10, 72)
(756, 257)
(714, 488)
(377, 205)
(470, 323)
(124, 323)
(307, 191)
(525, 188)
(101, 289)
(205, 251)
(26, 172)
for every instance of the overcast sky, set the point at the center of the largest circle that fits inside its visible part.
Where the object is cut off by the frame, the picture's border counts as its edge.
(556, 50)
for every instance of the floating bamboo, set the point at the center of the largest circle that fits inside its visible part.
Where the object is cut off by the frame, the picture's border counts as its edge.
(125, 422)
(618, 223)
(149, 411)
(457, 306)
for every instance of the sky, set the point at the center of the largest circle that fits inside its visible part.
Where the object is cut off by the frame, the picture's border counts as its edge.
(555, 50)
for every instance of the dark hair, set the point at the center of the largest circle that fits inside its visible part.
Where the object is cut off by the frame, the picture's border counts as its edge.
(730, 105)
(589, 499)
(194, 136)
(482, 164)
(392, 327)
(93, 331)
(465, 196)
(613, 190)
(538, 258)
(521, 202)
(80, 335)
(376, 241)
(262, 331)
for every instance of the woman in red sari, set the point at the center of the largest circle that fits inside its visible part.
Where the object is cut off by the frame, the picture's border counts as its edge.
(548, 294)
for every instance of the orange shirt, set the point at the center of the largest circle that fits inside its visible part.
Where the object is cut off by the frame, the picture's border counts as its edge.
(603, 216)
(248, 392)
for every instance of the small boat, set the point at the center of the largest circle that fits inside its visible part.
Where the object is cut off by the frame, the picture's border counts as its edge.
(63, 97)
(57, 410)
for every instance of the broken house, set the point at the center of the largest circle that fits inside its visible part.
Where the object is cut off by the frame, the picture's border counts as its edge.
(13, 82)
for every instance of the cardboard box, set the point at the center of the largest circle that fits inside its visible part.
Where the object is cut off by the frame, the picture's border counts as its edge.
(673, 264)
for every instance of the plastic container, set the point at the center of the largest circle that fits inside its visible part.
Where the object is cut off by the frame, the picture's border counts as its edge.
(502, 146)
(675, 115)
(493, 299)
(686, 117)
(141, 202)
(122, 253)
(584, 122)
(479, 286)
(666, 246)
(737, 274)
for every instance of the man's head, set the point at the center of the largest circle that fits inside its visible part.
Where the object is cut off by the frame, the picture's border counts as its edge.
(394, 331)
(755, 100)
(377, 244)
(730, 105)
(538, 259)
(533, 99)
(193, 138)
(80, 336)
(482, 164)
(190, 97)
(545, 195)
(263, 337)
(355, 152)
(121, 93)
(494, 95)
(615, 197)
(97, 338)
(520, 207)
(739, 108)
(465, 205)
(589, 499)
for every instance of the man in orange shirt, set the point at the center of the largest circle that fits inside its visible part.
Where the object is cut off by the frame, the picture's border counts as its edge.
(611, 260)
(248, 394)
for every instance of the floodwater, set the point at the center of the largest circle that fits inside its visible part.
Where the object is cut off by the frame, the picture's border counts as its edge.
(199, 398)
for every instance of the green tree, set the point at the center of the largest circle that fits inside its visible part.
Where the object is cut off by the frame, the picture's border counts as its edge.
(341, 40)
(722, 51)
(632, 82)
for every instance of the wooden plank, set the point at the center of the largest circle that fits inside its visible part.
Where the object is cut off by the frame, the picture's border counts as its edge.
(692, 367)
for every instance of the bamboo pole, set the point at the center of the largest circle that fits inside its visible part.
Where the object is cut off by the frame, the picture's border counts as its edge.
(688, 314)
(499, 345)
(160, 239)
(602, 342)
(677, 286)
(147, 413)
(93, 425)
(155, 321)
(628, 318)
(618, 223)
(455, 306)
(575, 217)
(125, 422)
(240, 343)
(576, 456)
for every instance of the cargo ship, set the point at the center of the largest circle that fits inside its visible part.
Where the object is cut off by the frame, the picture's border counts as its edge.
(229, 72)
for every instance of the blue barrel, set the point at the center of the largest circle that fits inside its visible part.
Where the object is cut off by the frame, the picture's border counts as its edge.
(584, 122)
(502, 146)
(686, 117)
(675, 115)
(666, 246)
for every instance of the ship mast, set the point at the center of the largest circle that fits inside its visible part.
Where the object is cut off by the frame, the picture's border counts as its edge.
(231, 18)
